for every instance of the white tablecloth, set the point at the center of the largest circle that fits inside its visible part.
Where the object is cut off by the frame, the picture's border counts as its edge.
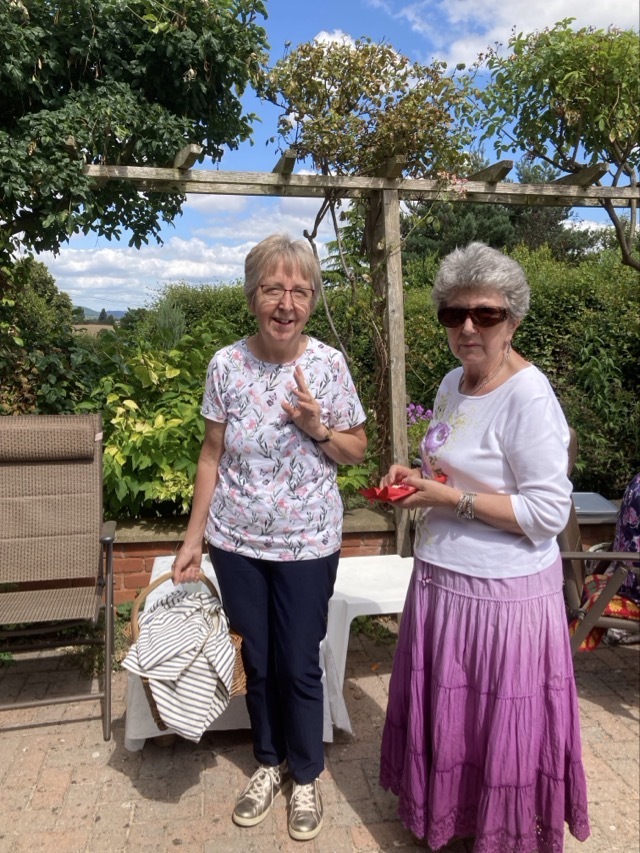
(139, 723)
(365, 586)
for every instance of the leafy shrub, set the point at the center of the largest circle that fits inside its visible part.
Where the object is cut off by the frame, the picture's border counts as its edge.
(44, 366)
(202, 305)
(150, 402)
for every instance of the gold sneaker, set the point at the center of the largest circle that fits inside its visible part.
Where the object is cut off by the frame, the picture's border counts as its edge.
(305, 811)
(255, 802)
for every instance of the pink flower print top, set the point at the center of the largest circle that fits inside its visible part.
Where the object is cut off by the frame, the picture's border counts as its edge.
(277, 496)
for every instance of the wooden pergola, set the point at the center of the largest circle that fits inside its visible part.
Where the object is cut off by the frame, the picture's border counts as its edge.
(385, 194)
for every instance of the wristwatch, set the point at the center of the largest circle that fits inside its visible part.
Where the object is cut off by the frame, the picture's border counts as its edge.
(326, 438)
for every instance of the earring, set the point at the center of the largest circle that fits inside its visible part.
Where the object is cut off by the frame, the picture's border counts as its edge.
(507, 353)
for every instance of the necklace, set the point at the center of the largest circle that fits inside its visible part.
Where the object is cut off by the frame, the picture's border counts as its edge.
(486, 381)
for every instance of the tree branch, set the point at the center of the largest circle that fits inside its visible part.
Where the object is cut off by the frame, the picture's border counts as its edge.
(625, 244)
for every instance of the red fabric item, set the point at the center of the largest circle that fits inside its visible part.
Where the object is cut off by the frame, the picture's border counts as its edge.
(388, 493)
(394, 493)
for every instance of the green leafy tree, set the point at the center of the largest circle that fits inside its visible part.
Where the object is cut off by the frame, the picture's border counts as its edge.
(437, 228)
(133, 319)
(44, 366)
(113, 83)
(569, 99)
(350, 107)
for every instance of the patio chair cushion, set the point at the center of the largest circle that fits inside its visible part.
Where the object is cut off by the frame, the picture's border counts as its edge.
(63, 441)
(619, 606)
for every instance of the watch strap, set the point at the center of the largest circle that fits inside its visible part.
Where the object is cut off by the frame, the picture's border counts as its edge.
(327, 437)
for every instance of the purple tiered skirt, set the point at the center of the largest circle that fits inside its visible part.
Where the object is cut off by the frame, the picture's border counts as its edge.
(482, 735)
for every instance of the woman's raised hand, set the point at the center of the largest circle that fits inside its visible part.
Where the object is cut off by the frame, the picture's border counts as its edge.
(306, 415)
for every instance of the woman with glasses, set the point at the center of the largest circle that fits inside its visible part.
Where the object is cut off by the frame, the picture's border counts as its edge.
(481, 738)
(281, 413)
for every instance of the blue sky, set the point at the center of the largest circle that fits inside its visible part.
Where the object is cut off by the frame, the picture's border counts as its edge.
(209, 241)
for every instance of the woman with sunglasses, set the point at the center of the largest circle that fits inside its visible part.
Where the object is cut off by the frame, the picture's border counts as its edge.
(481, 737)
(281, 412)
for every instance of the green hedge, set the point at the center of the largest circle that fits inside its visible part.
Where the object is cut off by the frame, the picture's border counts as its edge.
(582, 331)
(147, 378)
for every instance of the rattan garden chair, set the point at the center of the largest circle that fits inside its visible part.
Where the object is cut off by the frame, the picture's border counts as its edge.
(56, 555)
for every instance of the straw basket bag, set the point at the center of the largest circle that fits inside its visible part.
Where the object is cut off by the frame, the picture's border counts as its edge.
(239, 680)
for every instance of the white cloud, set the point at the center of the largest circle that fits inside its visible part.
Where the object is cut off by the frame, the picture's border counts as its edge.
(458, 30)
(116, 277)
(325, 37)
(205, 204)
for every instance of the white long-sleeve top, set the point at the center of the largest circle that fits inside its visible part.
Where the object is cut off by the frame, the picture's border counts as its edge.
(512, 441)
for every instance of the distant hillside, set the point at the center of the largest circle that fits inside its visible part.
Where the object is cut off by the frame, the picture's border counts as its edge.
(90, 314)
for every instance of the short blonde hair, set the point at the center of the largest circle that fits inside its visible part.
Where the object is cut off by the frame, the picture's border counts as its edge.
(295, 255)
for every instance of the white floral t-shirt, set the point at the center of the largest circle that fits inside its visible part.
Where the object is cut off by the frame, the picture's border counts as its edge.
(277, 497)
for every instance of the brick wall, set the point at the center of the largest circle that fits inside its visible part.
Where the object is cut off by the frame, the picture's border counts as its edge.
(133, 560)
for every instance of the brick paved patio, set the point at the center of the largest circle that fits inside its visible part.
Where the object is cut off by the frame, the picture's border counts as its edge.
(63, 789)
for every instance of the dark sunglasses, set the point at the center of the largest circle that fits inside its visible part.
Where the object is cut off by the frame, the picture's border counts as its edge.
(483, 316)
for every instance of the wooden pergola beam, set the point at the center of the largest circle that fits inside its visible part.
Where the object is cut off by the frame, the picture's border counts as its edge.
(149, 179)
(585, 177)
(494, 173)
(394, 167)
(395, 329)
(286, 163)
(187, 156)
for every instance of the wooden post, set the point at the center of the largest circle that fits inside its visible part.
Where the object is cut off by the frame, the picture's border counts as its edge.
(397, 366)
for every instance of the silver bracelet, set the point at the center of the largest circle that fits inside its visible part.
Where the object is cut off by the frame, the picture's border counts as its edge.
(465, 507)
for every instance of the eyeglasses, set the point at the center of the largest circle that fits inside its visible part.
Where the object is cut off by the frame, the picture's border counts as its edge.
(276, 292)
(483, 316)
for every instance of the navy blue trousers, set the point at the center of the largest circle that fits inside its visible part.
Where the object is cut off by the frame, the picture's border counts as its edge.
(280, 611)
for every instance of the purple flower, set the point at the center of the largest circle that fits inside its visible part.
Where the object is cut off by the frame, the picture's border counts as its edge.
(417, 413)
(436, 436)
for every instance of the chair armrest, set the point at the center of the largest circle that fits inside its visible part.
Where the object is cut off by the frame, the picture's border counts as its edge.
(108, 532)
(602, 556)
(588, 619)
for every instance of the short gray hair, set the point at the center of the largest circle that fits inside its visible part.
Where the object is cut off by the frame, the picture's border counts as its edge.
(478, 266)
(295, 255)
